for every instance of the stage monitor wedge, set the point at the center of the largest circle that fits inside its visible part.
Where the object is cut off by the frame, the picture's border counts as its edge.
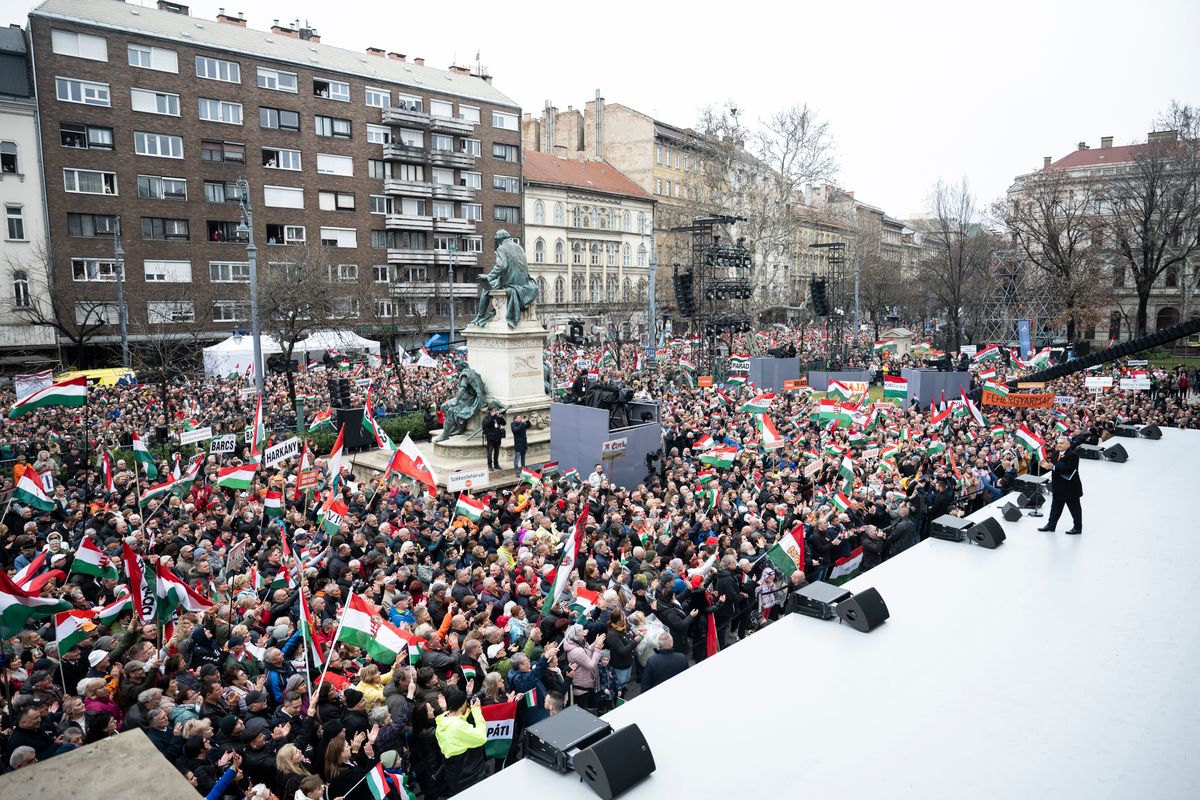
(865, 611)
(616, 763)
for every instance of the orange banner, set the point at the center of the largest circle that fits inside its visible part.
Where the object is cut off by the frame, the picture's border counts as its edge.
(1019, 400)
(704, 381)
(799, 383)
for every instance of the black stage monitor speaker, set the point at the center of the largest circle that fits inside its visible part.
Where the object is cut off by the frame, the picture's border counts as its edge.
(1092, 452)
(1011, 512)
(1032, 499)
(1116, 453)
(1127, 431)
(1150, 432)
(865, 611)
(616, 762)
(949, 527)
(987, 534)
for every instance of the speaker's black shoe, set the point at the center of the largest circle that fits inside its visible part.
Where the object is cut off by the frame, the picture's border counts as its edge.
(1046, 528)
(1074, 532)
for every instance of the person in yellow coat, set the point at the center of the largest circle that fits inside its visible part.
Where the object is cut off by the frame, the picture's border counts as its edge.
(461, 734)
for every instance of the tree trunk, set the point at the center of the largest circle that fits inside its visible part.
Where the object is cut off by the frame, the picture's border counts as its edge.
(1142, 313)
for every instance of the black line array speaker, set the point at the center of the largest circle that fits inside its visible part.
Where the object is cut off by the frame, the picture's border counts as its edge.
(987, 534)
(355, 436)
(615, 763)
(865, 611)
(1011, 512)
(1117, 453)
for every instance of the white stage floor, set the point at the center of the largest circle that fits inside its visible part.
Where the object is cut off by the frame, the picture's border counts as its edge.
(1052, 667)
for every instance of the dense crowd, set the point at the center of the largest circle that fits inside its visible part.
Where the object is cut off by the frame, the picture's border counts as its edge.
(225, 680)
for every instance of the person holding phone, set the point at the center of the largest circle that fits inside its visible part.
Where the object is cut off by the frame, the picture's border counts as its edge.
(461, 735)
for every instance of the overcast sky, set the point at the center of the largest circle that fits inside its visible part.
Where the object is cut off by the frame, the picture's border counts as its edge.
(913, 91)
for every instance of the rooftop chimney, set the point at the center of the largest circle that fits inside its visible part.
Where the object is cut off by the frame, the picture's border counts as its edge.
(375, 51)
(309, 34)
(1105, 141)
(1045, 161)
(396, 56)
(1162, 136)
(229, 19)
(284, 30)
(599, 125)
(1083, 145)
(459, 70)
(420, 62)
(174, 8)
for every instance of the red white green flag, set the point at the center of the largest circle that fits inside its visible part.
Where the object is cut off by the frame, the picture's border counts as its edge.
(1031, 442)
(501, 722)
(895, 388)
(66, 393)
(237, 477)
(787, 554)
(141, 454)
(18, 606)
(273, 503)
(72, 627)
(840, 502)
(766, 429)
(469, 507)
(567, 563)
(91, 560)
(847, 565)
(31, 491)
(386, 785)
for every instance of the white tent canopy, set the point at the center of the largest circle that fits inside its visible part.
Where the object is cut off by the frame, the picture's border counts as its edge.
(342, 341)
(235, 354)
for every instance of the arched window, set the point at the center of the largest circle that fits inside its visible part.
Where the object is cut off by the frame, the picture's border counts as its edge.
(541, 288)
(558, 214)
(641, 295)
(1171, 279)
(626, 222)
(576, 290)
(560, 252)
(576, 216)
(625, 255)
(641, 222)
(1166, 317)
(1114, 326)
(641, 255)
(612, 289)
(539, 213)
(539, 251)
(595, 254)
(610, 250)
(560, 289)
(595, 215)
(576, 253)
(595, 288)
(627, 290)
(21, 298)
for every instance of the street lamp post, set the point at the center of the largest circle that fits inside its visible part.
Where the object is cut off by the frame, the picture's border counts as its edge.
(122, 311)
(651, 323)
(453, 263)
(247, 227)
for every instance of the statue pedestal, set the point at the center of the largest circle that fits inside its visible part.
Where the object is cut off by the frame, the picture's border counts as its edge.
(509, 360)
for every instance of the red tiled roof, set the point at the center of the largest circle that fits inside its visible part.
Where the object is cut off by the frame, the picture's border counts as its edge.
(1097, 156)
(592, 176)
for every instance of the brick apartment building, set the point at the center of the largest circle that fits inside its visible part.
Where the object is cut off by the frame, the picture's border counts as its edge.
(150, 115)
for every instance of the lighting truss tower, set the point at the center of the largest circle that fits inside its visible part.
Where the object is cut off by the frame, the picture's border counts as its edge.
(1015, 290)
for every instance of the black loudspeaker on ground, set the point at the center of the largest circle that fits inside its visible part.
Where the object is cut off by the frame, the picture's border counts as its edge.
(988, 533)
(865, 611)
(616, 762)
(1117, 453)
(1011, 512)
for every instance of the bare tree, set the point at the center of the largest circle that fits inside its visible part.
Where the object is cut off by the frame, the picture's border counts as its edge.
(92, 308)
(296, 300)
(1152, 205)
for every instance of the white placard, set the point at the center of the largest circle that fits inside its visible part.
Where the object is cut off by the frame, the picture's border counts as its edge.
(614, 446)
(1064, 400)
(1136, 384)
(1137, 362)
(197, 435)
(813, 468)
(222, 445)
(362, 382)
(282, 451)
(1095, 390)
(467, 480)
(870, 452)
(247, 392)
(968, 350)
(1095, 382)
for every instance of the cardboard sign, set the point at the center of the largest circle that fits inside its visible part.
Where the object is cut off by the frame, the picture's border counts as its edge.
(813, 468)
(1019, 400)
(467, 480)
(1031, 385)
(360, 382)
(792, 385)
(307, 479)
(614, 447)
(198, 435)
(235, 558)
(704, 381)
(858, 387)
(222, 445)
(247, 392)
(871, 452)
(281, 452)
(1064, 400)
(1135, 384)
(1137, 362)
(1098, 382)
(968, 350)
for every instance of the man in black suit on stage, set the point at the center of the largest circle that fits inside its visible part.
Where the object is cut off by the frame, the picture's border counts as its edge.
(1065, 486)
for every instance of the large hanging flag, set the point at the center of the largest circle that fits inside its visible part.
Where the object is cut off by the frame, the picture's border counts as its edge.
(1031, 442)
(469, 507)
(72, 627)
(407, 460)
(759, 404)
(787, 554)
(386, 785)
(847, 565)
(65, 393)
(140, 586)
(767, 432)
(570, 556)
(895, 388)
(236, 477)
(141, 454)
(501, 720)
(90, 560)
(335, 459)
(173, 592)
(31, 491)
(18, 606)
(886, 344)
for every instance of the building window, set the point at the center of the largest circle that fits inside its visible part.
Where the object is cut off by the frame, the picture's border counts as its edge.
(216, 69)
(379, 134)
(506, 183)
(576, 290)
(576, 253)
(378, 98)
(221, 231)
(610, 253)
(279, 158)
(334, 127)
(381, 204)
(412, 206)
(155, 187)
(413, 173)
(626, 222)
(612, 290)
(627, 290)
(8, 158)
(21, 296)
(229, 271)
(335, 165)
(156, 58)
(151, 102)
(85, 137)
(341, 273)
(505, 152)
(539, 251)
(91, 225)
(1171, 277)
(222, 151)
(167, 271)
(594, 214)
(444, 177)
(283, 197)
(507, 214)
(230, 311)
(471, 147)
(505, 121)
(86, 181)
(277, 80)
(386, 308)
(339, 237)
(1118, 277)
(15, 218)
(165, 228)
(658, 185)
(641, 255)
(442, 142)
(382, 273)
(1114, 326)
(576, 216)
(468, 114)
(89, 93)
(641, 290)
(407, 102)
(559, 214)
(641, 222)
(594, 289)
(560, 252)
(412, 138)
(594, 255)
(335, 201)
(441, 108)
(379, 170)
(472, 180)
(79, 45)
(658, 154)
(443, 209)
(220, 111)
(332, 90)
(159, 145)
(560, 288)
(88, 270)
(625, 255)
(166, 312)
(279, 119)
(221, 192)
(285, 234)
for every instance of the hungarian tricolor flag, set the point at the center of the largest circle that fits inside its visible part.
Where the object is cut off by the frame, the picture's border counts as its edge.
(72, 627)
(840, 502)
(703, 443)
(501, 720)
(258, 430)
(273, 503)
(335, 459)
(530, 476)
(939, 417)
(407, 460)
(787, 554)
(886, 344)
(759, 404)
(720, 456)
(1031, 442)
(141, 454)
(309, 632)
(688, 365)
(173, 592)
(705, 476)
(386, 785)
(378, 434)
(990, 353)
(847, 565)
(567, 563)
(90, 560)
(846, 471)
(321, 418)
(469, 507)
(839, 390)
(30, 490)
(549, 468)
(335, 515)
(237, 477)
(17, 607)
(766, 429)
(141, 585)
(110, 612)
(65, 393)
(996, 388)
(585, 600)
(895, 388)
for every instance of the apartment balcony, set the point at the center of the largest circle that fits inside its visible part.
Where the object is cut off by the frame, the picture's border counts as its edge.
(447, 191)
(452, 158)
(397, 255)
(445, 257)
(396, 186)
(396, 115)
(453, 225)
(410, 154)
(430, 289)
(408, 222)
(450, 125)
